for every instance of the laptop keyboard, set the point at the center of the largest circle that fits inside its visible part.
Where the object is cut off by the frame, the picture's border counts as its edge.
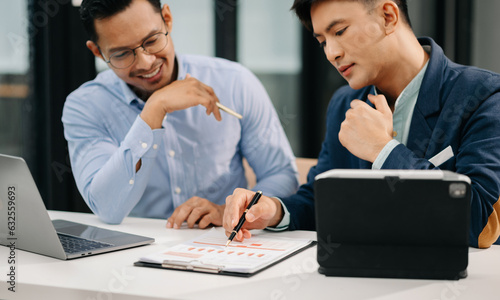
(72, 244)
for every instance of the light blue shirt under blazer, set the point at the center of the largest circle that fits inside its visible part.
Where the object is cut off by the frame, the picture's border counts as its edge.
(402, 116)
(192, 155)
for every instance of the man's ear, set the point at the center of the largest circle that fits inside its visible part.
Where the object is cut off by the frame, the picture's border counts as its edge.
(167, 16)
(94, 49)
(391, 14)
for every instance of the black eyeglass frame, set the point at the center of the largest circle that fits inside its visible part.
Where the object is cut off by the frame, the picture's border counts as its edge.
(108, 61)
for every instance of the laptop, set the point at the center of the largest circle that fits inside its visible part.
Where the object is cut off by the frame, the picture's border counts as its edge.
(393, 223)
(25, 223)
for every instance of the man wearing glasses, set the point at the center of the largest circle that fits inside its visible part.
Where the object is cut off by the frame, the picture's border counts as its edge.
(140, 136)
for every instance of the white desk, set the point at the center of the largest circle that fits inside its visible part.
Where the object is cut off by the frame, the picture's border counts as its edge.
(113, 276)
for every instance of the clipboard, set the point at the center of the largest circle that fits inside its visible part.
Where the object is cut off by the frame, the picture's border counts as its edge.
(226, 262)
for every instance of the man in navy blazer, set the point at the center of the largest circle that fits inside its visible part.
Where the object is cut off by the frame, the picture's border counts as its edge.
(407, 106)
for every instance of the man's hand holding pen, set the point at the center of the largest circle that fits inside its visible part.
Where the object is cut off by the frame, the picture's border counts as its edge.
(267, 212)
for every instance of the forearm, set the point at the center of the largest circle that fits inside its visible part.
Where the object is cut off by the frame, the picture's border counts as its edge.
(279, 184)
(273, 161)
(106, 173)
(115, 189)
(153, 113)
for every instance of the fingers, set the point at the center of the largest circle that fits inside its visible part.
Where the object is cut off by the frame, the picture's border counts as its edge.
(205, 213)
(196, 214)
(356, 103)
(205, 221)
(179, 95)
(202, 211)
(254, 212)
(241, 235)
(235, 205)
(261, 215)
(212, 105)
(179, 216)
(196, 210)
(357, 107)
(366, 130)
(380, 103)
(361, 108)
(209, 97)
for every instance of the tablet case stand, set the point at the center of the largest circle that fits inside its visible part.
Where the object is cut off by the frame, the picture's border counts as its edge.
(393, 227)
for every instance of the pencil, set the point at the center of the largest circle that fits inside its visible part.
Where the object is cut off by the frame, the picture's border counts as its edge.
(229, 111)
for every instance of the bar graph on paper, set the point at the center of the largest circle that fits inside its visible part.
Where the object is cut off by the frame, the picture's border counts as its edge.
(246, 256)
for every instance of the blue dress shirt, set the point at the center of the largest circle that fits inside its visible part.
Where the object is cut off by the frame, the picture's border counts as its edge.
(192, 155)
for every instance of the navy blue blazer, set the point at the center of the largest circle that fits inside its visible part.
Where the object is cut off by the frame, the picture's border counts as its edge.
(458, 106)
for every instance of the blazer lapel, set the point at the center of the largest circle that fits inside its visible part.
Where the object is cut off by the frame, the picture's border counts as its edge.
(428, 105)
(420, 134)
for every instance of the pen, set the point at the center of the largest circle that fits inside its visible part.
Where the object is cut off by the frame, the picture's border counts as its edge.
(255, 198)
(228, 110)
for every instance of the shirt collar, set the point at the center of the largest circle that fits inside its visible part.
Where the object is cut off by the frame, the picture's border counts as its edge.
(413, 88)
(181, 68)
(127, 93)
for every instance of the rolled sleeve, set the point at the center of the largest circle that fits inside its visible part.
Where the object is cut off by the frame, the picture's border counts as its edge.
(142, 141)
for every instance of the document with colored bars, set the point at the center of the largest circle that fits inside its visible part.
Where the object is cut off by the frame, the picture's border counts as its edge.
(207, 253)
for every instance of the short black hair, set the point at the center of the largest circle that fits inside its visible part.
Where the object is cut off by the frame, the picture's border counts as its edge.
(303, 9)
(91, 10)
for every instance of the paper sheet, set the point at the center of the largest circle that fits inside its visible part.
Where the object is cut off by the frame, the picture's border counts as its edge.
(244, 257)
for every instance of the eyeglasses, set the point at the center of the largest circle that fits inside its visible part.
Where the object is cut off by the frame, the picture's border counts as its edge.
(125, 58)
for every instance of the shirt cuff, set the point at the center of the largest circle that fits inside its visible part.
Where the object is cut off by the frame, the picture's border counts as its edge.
(285, 222)
(143, 141)
(382, 156)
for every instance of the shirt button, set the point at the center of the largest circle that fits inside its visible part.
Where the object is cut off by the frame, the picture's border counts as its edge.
(177, 190)
(155, 146)
(131, 181)
(144, 145)
(171, 153)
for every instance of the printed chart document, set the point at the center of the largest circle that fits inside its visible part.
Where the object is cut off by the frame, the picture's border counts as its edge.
(207, 253)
